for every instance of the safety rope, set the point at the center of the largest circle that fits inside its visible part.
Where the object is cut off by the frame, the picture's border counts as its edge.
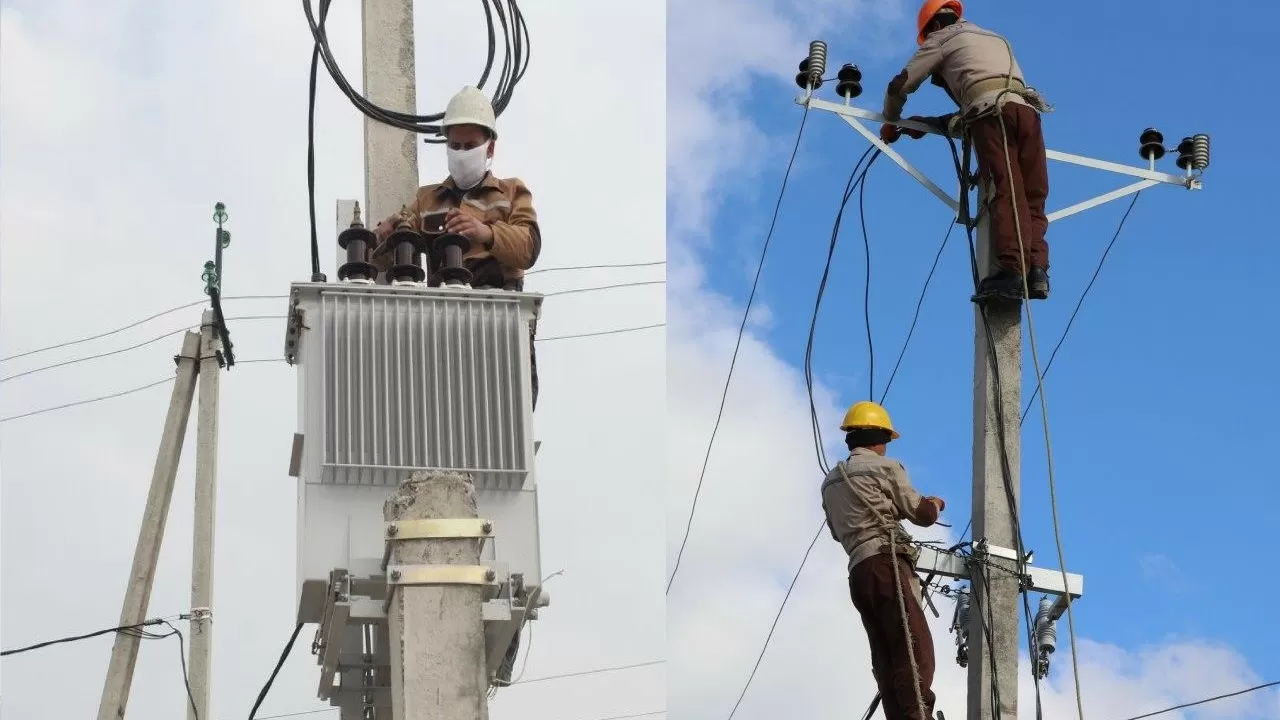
(1035, 358)
(892, 529)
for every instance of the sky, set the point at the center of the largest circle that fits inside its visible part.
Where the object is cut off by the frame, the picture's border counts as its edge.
(1159, 401)
(122, 125)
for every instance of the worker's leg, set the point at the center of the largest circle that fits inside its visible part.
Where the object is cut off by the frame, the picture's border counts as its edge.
(917, 642)
(990, 146)
(1035, 178)
(864, 590)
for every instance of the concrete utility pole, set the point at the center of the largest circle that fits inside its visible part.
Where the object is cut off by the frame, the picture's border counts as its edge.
(206, 502)
(124, 653)
(390, 154)
(992, 518)
(438, 666)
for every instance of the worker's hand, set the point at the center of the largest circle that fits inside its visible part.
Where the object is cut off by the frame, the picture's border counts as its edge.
(384, 229)
(889, 133)
(937, 501)
(474, 230)
(915, 134)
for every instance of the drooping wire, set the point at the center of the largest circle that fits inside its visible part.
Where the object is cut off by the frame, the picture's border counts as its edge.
(777, 617)
(746, 313)
(951, 225)
(1098, 269)
(1206, 700)
(854, 182)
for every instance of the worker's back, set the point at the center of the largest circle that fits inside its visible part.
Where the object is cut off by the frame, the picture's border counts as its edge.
(879, 490)
(972, 54)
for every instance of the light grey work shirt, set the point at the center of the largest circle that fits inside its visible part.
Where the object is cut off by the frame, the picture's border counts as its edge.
(880, 488)
(962, 55)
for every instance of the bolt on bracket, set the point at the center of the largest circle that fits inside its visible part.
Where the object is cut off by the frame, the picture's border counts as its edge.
(438, 529)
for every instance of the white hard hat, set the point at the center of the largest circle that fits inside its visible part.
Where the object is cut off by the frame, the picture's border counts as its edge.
(470, 107)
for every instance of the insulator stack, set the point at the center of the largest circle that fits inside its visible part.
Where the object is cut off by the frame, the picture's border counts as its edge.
(813, 67)
(1186, 151)
(451, 248)
(406, 244)
(1046, 635)
(961, 627)
(1151, 145)
(1199, 152)
(358, 241)
(849, 82)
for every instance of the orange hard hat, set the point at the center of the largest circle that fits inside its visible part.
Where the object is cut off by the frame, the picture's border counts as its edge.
(931, 8)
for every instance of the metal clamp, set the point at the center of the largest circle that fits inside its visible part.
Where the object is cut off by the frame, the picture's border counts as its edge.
(440, 575)
(201, 614)
(438, 529)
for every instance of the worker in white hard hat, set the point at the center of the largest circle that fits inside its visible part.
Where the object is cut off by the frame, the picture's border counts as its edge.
(496, 214)
(865, 497)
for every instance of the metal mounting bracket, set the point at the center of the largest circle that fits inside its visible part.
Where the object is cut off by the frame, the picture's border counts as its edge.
(438, 529)
(440, 575)
(1150, 177)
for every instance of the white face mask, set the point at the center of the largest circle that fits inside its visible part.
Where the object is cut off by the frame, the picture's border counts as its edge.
(467, 167)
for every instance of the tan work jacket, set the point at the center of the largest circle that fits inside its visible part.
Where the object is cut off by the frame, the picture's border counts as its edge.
(964, 60)
(880, 488)
(505, 205)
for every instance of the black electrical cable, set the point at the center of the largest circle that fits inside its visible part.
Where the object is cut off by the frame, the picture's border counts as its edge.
(951, 225)
(86, 636)
(1098, 269)
(746, 313)
(866, 285)
(1206, 700)
(288, 648)
(182, 658)
(855, 180)
(515, 64)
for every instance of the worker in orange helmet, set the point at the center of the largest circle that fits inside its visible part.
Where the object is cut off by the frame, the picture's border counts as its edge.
(865, 497)
(1001, 115)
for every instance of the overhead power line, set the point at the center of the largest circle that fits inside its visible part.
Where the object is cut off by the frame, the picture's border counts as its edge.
(746, 313)
(148, 386)
(197, 303)
(1098, 269)
(535, 271)
(584, 673)
(156, 339)
(1206, 700)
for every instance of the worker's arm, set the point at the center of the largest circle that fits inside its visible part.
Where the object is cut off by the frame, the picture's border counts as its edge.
(907, 502)
(918, 69)
(517, 241)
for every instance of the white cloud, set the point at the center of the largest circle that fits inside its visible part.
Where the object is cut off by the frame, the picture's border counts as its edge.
(759, 506)
(122, 125)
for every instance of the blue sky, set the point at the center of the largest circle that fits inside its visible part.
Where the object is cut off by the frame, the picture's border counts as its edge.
(1160, 402)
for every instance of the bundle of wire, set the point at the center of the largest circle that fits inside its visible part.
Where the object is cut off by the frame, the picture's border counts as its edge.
(515, 62)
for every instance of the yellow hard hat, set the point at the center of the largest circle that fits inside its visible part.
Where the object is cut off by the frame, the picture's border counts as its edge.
(869, 416)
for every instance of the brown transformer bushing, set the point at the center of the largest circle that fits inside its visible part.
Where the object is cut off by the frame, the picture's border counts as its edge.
(406, 243)
(451, 248)
(358, 241)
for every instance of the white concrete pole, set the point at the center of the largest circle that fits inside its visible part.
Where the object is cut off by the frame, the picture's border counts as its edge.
(206, 502)
(124, 653)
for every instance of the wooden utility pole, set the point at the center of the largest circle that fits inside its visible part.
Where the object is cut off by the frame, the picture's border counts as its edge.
(124, 653)
(205, 516)
(993, 649)
(436, 621)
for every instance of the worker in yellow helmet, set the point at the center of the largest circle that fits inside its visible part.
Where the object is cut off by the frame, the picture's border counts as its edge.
(977, 70)
(865, 497)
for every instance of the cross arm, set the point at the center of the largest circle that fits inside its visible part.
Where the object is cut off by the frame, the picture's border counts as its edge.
(1043, 580)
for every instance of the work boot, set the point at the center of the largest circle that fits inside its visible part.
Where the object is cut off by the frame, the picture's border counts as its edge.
(1038, 283)
(1004, 284)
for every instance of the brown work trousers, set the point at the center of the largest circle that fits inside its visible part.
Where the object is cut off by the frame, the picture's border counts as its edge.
(871, 587)
(1030, 181)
